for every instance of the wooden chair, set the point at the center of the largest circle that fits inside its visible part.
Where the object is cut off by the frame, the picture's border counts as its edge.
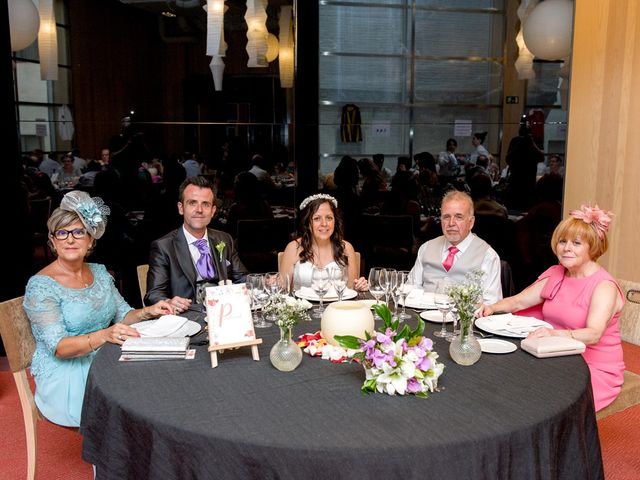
(20, 345)
(142, 280)
(281, 254)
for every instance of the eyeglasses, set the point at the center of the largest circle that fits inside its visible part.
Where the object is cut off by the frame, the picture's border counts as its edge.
(77, 233)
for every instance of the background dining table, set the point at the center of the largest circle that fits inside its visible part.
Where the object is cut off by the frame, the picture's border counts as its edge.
(506, 417)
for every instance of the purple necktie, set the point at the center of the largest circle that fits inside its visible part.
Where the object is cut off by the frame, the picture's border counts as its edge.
(204, 263)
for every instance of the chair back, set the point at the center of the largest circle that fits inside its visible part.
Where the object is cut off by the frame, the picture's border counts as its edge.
(506, 279)
(19, 344)
(630, 315)
(17, 337)
(142, 280)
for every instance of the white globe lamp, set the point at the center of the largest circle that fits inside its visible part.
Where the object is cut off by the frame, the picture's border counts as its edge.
(24, 23)
(548, 29)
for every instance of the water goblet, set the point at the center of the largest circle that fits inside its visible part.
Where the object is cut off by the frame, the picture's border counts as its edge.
(320, 285)
(255, 284)
(387, 279)
(403, 287)
(443, 302)
(339, 278)
(375, 287)
(272, 286)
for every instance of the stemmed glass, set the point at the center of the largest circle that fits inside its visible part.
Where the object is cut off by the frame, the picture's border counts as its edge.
(339, 278)
(404, 285)
(388, 279)
(320, 284)
(255, 284)
(375, 288)
(273, 286)
(443, 302)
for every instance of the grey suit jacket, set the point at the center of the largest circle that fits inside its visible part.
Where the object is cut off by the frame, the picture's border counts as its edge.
(171, 269)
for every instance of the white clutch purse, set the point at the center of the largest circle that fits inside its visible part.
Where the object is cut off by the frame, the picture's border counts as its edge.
(544, 347)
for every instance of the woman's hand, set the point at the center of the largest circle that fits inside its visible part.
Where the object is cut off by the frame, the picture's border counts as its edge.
(542, 332)
(361, 284)
(484, 311)
(163, 307)
(119, 332)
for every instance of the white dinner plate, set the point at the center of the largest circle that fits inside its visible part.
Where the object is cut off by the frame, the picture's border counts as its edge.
(495, 345)
(420, 300)
(331, 296)
(435, 316)
(187, 329)
(508, 325)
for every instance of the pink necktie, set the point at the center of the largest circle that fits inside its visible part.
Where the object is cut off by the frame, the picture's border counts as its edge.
(448, 262)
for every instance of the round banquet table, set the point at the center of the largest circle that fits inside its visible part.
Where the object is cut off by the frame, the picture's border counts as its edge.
(506, 417)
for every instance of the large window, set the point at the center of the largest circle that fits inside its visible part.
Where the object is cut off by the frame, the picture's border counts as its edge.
(39, 102)
(419, 71)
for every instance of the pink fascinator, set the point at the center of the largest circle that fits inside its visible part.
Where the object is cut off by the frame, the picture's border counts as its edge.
(595, 217)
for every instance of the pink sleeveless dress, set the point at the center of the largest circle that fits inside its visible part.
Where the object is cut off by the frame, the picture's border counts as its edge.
(566, 306)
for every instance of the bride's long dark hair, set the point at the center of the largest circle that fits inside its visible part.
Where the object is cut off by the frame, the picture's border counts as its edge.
(306, 232)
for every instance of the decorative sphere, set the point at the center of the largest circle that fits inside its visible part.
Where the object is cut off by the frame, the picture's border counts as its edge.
(548, 28)
(24, 22)
(346, 318)
(272, 47)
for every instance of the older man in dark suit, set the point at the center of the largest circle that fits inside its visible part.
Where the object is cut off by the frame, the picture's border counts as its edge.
(193, 253)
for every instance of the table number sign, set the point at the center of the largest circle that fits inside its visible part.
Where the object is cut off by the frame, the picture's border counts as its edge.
(229, 320)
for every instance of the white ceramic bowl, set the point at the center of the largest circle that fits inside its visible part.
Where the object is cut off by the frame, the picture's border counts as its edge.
(346, 318)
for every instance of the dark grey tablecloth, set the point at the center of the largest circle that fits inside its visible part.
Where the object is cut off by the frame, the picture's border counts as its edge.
(507, 417)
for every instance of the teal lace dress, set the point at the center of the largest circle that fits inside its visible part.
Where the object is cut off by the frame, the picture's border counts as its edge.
(56, 312)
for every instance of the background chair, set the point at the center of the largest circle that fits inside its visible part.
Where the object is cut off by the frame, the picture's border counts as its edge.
(20, 345)
(142, 280)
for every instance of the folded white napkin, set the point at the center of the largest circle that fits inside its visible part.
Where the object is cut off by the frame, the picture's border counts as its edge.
(308, 292)
(552, 346)
(506, 321)
(162, 327)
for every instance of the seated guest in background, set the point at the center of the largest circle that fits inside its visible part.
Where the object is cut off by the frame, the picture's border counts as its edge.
(88, 178)
(259, 168)
(403, 199)
(74, 309)
(555, 166)
(378, 160)
(68, 175)
(248, 204)
(458, 251)
(320, 244)
(372, 183)
(483, 203)
(580, 299)
(346, 176)
(193, 252)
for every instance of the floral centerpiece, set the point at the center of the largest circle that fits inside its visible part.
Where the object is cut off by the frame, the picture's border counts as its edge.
(466, 296)
(396, 361)
(286, 355)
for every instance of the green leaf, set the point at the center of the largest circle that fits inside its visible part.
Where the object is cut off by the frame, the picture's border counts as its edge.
(404, 333)
(421, 394)
(383, 312)
(348, 341)
(419, 329)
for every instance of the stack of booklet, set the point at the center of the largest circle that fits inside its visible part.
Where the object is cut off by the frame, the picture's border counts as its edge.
(154, 348)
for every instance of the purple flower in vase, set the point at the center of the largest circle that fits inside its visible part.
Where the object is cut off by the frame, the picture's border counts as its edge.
(413, 385)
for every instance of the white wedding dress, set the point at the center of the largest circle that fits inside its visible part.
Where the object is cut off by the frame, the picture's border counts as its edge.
(302, 273)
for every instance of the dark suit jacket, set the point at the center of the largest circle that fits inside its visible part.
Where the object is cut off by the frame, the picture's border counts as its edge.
(171, 269)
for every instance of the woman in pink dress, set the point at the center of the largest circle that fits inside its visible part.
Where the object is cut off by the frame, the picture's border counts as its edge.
(580, 299)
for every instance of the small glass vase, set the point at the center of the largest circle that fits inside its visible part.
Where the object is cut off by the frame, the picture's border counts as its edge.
(465, 348)
(285, 355)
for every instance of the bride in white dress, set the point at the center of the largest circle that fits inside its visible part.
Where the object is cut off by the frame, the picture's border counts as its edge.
(321, 244)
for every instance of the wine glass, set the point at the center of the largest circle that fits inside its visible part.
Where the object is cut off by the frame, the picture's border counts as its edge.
(273, 286)
(255, 284)
(443, 302)
(320, 284)
(403, 287)
(339, 278)
(387, 279)
(375, 287)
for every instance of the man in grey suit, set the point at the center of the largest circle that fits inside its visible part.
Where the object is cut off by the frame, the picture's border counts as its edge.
(458, 251)
(193, 253)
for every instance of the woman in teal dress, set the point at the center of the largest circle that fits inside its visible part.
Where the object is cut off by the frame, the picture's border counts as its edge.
(74, 309)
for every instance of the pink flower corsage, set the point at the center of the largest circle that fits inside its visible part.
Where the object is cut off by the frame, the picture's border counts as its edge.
(594, 216)
(316, 346)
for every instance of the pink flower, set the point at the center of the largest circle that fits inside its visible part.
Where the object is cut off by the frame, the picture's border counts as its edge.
(595, 217)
